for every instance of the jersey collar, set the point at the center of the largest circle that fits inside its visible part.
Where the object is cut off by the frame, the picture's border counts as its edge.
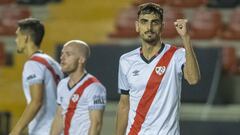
(150, 60)
(69, 88)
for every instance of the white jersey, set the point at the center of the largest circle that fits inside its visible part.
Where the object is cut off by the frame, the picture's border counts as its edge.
(161, 117)
(76, 106)
(37, 73)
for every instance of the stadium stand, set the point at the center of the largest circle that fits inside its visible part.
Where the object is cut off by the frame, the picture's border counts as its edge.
(232, 28)
(223, 3)
(93, 21)
(229, 60)
(9, 16)
(36, 2)
(5, 122)
(138, 2)
(5, 2)
(125, 24)
(2, 54)
(186, 3)
(171, 14)
(205, 24)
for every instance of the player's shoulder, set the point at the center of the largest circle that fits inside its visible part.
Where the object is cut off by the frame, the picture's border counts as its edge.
(32, 64)
(46, 57)
(63, 81)
(94, 78)
(96, 83)
(129, 56)
(179, 53)
(179, 49)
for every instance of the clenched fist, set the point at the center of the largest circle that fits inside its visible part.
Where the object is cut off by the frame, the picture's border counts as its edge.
(181, 27)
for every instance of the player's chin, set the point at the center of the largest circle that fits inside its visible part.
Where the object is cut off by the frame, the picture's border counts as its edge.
(19, 51)
(63, 68)
(150, 39)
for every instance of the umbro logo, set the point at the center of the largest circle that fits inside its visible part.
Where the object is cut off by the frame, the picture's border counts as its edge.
(136, 73)
(75, 97)
(160, 70)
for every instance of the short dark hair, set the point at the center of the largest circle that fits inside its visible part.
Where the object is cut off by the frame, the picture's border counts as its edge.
(148, 8)
(34, 28)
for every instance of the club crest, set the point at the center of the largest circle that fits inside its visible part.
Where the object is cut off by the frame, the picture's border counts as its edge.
(75, 97)
(160, 70)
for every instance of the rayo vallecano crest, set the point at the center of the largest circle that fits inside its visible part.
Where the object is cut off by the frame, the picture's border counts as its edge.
(160, 70)
(75, 97)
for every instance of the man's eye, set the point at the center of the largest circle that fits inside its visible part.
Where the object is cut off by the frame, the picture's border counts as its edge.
(156, 22)
(143, 21)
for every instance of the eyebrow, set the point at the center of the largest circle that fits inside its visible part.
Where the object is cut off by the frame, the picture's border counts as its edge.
(144, 19)
(156, 20)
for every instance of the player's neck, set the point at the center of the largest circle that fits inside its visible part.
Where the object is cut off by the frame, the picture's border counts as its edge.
(150, 50)
(31, 49)
(76, 76)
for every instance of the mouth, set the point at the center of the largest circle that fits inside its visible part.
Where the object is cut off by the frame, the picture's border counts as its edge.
(149, 33)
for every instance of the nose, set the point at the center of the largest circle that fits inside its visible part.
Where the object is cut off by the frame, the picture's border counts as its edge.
(149, 26)
(62, 57)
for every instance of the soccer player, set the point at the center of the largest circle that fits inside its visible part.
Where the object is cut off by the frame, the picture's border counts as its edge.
(81, 97)
(150, 77)
(40, 77)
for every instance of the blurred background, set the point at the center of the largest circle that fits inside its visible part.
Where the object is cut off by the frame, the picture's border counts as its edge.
(211, 107)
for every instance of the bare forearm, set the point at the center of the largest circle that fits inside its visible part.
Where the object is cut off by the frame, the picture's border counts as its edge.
(191, 69)
(122, 119)
(27, 116)
(95, 128)
(57, 126)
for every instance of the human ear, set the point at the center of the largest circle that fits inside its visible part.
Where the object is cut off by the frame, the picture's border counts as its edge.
(162, 26)
(136, 26)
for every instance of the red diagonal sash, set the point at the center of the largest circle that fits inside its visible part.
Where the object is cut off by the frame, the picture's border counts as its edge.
(49, 67)
(150, 91)
(74, 101)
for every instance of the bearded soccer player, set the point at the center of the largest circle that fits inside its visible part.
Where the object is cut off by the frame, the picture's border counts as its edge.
(150, 77)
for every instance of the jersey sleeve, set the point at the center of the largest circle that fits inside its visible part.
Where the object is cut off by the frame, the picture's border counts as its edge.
(34, 72)
(96, 96)
(123, 85)
(180, 59)
(59, 96)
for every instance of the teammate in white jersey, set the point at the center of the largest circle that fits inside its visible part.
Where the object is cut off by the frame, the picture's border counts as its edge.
(40, 76)
(150, 77)
(81, 97)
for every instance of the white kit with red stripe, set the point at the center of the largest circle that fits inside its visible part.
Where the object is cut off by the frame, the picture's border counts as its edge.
(154, 88)
(88, 94)
(42, 69)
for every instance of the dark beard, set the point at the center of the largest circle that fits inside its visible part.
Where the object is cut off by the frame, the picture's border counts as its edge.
(151, 41)
(19, 51)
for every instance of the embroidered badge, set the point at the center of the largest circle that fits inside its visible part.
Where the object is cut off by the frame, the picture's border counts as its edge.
(75, 97)
(160, 70)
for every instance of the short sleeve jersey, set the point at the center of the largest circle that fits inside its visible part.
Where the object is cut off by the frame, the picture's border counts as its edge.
(92, 98)
(134, 72)
(37, 73)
